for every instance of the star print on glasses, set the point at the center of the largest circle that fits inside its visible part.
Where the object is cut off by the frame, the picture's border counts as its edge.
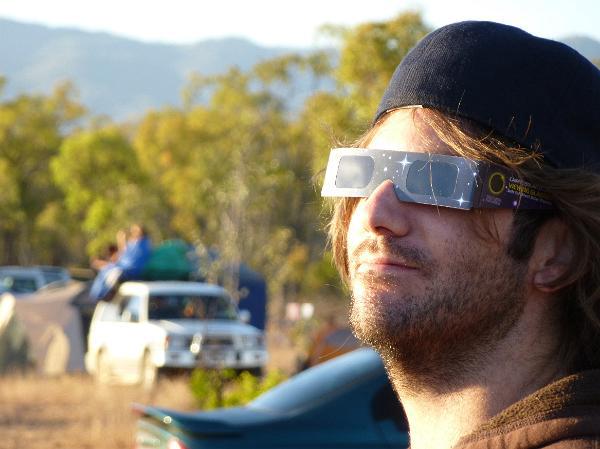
(426, 178)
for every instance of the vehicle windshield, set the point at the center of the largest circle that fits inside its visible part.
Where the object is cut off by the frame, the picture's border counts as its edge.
(191, 307)
(17, 284)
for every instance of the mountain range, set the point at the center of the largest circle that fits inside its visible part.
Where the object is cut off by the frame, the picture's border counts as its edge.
(115, 76)
(122, 77)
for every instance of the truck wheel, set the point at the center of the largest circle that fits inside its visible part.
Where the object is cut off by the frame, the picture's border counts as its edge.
(148, 372)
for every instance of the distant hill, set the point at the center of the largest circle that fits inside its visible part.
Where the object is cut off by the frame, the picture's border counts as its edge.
(115, 76)
(123, 78)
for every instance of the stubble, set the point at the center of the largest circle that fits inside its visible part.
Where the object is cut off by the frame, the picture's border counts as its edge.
(438, 335)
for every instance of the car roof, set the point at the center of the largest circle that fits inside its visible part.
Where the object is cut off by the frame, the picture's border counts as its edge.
(172, 287)
(13, 270)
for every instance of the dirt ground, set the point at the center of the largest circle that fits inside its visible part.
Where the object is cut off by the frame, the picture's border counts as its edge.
(73, 411)
(70, 411)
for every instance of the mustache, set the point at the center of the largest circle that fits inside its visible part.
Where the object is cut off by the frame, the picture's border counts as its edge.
(393, 248)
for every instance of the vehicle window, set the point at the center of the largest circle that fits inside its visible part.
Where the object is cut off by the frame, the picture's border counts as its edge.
(18, 284)
(131, 309)
(193, 307)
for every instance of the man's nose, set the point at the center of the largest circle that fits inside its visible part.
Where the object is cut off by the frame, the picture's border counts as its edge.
(383, 213)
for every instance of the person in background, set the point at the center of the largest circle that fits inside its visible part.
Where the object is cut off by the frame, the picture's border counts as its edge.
(111, 256)
(133, 254)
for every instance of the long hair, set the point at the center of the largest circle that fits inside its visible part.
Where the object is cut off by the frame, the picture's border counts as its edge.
(575, 194)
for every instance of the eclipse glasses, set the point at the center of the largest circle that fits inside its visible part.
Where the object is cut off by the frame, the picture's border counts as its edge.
(434, 179)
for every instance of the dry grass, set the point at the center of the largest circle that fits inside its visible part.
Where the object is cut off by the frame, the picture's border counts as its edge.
(74, 412)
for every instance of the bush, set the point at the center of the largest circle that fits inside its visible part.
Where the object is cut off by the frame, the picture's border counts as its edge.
(226, 388)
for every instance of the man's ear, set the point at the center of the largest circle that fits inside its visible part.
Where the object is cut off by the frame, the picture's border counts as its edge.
(552, 255)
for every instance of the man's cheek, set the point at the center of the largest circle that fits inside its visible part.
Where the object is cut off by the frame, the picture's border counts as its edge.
(353, 235)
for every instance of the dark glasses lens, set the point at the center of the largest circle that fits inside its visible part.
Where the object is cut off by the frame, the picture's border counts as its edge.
(432, 178)
(354, 172)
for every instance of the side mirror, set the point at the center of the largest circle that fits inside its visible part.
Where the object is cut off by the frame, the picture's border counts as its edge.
(244, 316)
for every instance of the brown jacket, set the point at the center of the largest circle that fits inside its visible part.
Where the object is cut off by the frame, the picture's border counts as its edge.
(562, 415)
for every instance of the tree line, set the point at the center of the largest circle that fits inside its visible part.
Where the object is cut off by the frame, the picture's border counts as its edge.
(235, 167)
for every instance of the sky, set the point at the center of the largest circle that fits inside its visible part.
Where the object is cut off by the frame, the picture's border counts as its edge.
(292, 23)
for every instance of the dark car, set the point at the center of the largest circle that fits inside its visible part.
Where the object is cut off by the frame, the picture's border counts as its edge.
(345, 402)
(21, 280)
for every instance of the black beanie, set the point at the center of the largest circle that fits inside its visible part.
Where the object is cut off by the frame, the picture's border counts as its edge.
(537, 92)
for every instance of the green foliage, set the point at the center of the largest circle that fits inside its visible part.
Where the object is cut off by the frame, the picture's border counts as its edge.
(31, 128)
(227, 170)
(321, 275)
(102, 182)
(247, 387)
(370, 54)
(234, 168)
(224, 388)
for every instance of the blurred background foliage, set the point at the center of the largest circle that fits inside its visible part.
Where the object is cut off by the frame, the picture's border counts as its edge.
(226, 388)
(235, 168)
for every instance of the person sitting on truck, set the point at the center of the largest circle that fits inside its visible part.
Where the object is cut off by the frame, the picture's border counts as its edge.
(111, 255)
(134, 253)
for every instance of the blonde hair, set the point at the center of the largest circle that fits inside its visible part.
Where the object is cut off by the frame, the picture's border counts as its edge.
(575, 194)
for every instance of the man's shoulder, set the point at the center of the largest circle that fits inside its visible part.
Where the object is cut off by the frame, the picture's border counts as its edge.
(564, 414)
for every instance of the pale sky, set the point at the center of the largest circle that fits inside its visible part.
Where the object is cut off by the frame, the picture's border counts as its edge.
(292, 23)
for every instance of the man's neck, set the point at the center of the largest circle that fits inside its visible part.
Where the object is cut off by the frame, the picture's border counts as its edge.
(439, 415)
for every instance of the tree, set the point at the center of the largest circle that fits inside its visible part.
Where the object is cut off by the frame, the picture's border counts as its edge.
(237, 167)
(369, 55)
(232, 168)
(103, 183)
(31, 130)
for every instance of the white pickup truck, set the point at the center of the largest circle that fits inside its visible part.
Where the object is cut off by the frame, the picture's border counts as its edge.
(150, 326)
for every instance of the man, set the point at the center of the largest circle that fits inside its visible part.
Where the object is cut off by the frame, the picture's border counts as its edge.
(469, 233)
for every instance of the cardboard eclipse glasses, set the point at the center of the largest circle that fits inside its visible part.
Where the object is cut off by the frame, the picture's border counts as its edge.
(424, 178)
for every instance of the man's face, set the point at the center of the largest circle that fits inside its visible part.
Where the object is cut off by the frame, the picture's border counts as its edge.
(429, 291)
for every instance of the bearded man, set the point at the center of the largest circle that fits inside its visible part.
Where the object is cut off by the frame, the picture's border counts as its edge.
(467, 226)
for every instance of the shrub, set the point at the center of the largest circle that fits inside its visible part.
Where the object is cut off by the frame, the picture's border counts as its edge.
(226, 388)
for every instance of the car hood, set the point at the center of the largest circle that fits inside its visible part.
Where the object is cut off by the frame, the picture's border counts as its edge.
(211, 327)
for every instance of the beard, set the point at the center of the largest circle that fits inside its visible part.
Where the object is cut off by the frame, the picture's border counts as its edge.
(435, 327)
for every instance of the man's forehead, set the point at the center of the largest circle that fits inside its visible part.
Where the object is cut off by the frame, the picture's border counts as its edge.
(404, 129)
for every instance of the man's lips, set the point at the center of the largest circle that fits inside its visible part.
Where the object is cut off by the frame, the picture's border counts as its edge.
(384, 263)
(387, 255)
